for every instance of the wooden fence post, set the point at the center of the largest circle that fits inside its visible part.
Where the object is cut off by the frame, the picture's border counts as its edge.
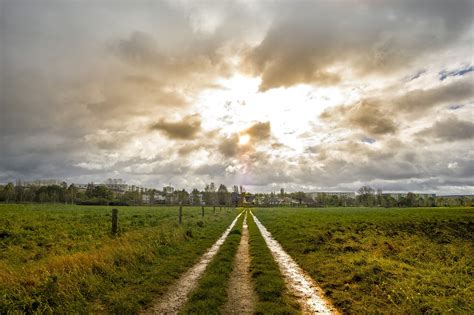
(114, 221)
(180, 213)
(202, 211)
(214, 209)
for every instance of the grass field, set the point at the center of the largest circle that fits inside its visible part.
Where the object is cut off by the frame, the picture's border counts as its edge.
(368, 260)
(62, 258)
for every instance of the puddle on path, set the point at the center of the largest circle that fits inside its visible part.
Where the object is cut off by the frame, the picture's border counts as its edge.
(308, 293)
(240, 292)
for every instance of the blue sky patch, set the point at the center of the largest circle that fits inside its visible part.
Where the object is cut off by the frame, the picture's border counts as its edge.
(368, 140)
(416, 75)
(454, 73)
(455, 106)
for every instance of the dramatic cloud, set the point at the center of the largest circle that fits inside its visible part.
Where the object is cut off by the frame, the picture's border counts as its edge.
(228, 147)
(259, 131)
(418, 101)
(200, 62)
(449, 129)
(365, 115)
(185, 129)
(305, 95)
(312, 42)
(380, 116)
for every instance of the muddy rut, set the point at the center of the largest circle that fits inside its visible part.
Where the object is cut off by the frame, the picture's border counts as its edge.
(240, 294)
(310, 296)
(177, 295)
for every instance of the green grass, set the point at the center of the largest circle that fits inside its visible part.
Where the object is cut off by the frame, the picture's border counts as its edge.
(272, 295)
(62, 258)
(402, 261)
(211, 293)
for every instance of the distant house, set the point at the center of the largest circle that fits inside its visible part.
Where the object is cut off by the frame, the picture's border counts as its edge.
(81, 187)
(339, 194)
(196, 199)
(118, 186)
(39, 183)
(160, 198)
(248, 199)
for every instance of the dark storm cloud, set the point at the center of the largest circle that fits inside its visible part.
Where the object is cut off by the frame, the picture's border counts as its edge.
(185, 129)
(449, 129)
(308, 39)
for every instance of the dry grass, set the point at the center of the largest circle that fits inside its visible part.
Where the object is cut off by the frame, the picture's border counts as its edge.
(99, 273)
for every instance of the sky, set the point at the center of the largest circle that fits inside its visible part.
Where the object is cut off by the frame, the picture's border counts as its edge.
(300, 95)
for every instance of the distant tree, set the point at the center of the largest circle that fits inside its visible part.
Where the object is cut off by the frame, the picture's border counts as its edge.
(379, 198)
(411, 200)
(366, 196)
(388, 201)
(333, 201)
(72, 193)
(210, 194)
(131, 197)
(402, 202)
(9, 192)
(222, 194)
(300, 196)
(102, 192)
(195, 197)
(321, 199)
(20, 192)
(183, 197)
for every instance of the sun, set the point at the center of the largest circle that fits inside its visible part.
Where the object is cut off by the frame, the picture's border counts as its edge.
(244, 139)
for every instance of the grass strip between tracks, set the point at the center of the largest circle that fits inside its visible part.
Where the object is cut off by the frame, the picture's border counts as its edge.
(211, 293)
(272, 294)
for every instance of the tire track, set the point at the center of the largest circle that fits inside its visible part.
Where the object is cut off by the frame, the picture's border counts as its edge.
(240, 292)
(309, 294)
(178, 293)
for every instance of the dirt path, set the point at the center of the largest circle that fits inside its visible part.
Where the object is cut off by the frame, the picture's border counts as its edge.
(241, 296)
(309, 295)
(173, 300)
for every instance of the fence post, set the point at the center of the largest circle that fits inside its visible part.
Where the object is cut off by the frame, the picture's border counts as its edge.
(202, 211)
(180, 213)
(214, 209)
(114, 221)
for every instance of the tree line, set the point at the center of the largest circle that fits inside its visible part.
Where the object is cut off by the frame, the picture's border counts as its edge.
(221, 196)
(102, 195)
